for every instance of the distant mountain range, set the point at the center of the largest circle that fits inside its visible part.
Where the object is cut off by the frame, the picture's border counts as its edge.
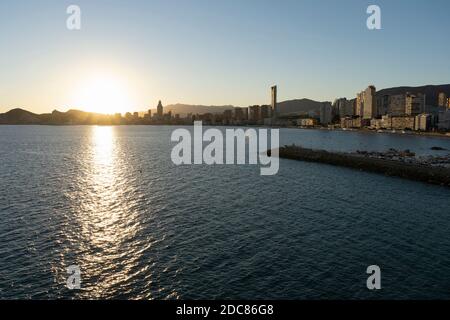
(20, 116)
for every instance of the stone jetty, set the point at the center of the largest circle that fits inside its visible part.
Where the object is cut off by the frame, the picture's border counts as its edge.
(403, 164)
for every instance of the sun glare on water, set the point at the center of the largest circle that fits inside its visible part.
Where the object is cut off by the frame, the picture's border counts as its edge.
(103, 94)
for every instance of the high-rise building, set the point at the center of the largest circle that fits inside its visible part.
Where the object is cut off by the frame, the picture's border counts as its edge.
(366, 103)
(359, 108)
(254, 113)
(238, 114)
(159, 109)
(442, 100)
(382, 104)
(415, 104)
(344, 107)
(370, 104)
(265, 112)
(326, 115)
(397, 105)
(274, 101)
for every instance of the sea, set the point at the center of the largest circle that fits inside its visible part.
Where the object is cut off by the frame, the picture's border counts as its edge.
(109, 203)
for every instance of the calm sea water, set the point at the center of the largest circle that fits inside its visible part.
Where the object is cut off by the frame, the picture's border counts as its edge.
(110, 200)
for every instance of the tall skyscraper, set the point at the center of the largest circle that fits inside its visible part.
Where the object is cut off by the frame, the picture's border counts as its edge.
(274, 101)
(326, 114)
(366, 103)
(159, 109)
(370, 103)
(359, 109)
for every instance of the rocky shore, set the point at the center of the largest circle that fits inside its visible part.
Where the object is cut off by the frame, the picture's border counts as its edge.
(403, 164)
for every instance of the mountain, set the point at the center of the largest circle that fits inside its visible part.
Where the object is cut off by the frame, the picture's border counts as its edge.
(431, 91)
(19, 116)
(184, 109)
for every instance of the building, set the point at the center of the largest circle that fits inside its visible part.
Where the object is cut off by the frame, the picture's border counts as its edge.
(265, 112)
(369, 103)
(148, 116)
(366, 103)
(359, 107)
(415, 104)
(326, 114)
(274, 101)
(254, 113)
(423, 122)
(309, 122)
(397, 105)
(382, 104)
(444, 120)
(159, 110)
(227, 116)
(351, 122)
(376, 124)
(443, 100)
(344, 108)
(403, 123)
(239, 115)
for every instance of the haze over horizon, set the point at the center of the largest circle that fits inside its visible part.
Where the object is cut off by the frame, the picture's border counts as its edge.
(130, 55)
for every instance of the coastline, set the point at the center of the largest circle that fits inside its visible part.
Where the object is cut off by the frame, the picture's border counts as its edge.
(364, 131)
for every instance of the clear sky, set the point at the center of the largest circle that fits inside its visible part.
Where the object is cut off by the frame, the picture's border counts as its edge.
(215, 52)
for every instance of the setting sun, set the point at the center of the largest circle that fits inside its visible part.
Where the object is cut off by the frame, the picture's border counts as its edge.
(103, 94)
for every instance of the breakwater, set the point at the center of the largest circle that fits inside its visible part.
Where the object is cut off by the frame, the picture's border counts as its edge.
(413, 170)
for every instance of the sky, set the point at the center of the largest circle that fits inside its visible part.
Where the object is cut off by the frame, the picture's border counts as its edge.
(216, 52)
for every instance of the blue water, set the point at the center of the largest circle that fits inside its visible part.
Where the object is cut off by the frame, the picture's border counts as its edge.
(110, 200)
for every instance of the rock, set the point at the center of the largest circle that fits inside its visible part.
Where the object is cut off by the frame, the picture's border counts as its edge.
(437, 148)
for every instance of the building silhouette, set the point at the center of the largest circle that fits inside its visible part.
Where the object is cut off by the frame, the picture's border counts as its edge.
(159, 110)
(274, 101)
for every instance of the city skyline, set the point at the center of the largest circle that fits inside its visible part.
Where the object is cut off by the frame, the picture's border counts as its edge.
(147, 51)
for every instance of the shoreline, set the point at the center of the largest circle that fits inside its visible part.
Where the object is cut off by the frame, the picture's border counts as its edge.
(365, 131)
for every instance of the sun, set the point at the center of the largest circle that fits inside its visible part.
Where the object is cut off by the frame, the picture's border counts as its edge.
(105, 94)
